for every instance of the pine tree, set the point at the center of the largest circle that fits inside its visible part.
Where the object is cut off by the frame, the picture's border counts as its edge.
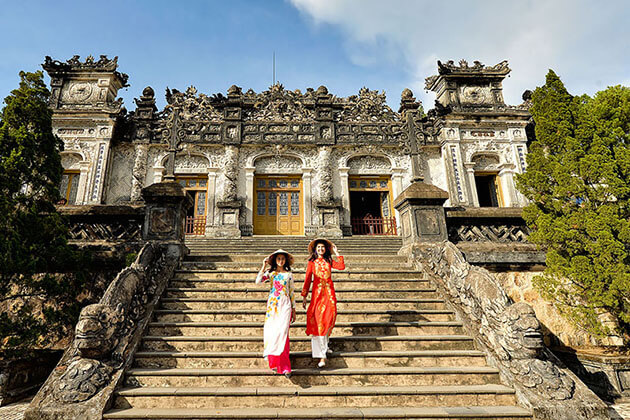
(578, 179)
(37, 304)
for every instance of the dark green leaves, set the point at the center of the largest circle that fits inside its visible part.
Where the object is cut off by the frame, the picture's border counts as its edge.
(577, 177)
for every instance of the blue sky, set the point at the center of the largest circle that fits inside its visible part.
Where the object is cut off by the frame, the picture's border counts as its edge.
(343, 44)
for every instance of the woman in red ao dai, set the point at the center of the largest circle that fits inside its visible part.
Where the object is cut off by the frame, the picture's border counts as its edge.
(322, 311)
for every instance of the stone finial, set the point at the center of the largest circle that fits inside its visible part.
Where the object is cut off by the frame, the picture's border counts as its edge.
(234, 91)
(407, 101)
(148, 93)
(407, 94)
(322, 90)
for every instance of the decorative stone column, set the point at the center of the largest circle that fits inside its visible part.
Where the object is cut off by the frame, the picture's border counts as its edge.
(472, 190)
(229, 208)
(506, 178)
(139, 171)
(248, 229)
(346, 225)
(328, 207)
(307, 178)
(165, 216)
(211, 199)
(84, 167)
(422, 213)
(397, 183)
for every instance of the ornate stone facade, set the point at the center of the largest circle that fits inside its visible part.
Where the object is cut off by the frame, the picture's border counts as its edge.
(228, 141)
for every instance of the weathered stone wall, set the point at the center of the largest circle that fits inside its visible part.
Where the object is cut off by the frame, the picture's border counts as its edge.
(510, 334)
(107, 336)
(558, 331)
(120, 174)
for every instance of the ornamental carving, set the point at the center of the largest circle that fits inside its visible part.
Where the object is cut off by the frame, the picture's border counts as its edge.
(279, 104)
(278, 163)
(476, 95)
(70, 160)
(477, 67)
(79, 92)
(191, 162)
(511, 330)
(368, 105)
(193, 106)
(230, 174)
(367, 162)
(485, 162)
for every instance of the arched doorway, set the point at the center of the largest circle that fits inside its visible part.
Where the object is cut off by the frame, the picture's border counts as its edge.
(370, 196)
(278, 205)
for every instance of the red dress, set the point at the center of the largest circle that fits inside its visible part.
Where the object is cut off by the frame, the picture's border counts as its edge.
(322, 311)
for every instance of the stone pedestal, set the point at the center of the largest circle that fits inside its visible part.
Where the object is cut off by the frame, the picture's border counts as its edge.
(329, 220)
(422, 214)
(227, 225)
(165, 216)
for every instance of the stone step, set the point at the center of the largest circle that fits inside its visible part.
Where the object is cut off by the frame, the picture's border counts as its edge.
(354, 343)
(302, 258)
(342, 304)
(377, 376)
(297, 266)
(327, 413)
(298, 329)
(262, 291)
(315, 396)
(336, 275)
(303, 359)
(284, 242)
(339, 283)
(258, 315)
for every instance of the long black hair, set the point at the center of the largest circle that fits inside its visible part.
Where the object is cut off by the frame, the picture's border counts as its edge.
(274, 265)
(327, 255)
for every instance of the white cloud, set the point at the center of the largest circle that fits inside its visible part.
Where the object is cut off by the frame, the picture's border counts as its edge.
(575, 38)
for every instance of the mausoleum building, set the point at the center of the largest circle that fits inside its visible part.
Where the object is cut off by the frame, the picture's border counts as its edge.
(284, 162)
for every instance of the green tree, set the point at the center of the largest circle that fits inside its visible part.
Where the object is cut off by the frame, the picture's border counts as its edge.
(38, 292)
(578, 179)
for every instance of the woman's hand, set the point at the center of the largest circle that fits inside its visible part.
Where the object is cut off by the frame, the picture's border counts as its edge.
(265, 263)
(292, 315)
(304, 302)
(334, 248)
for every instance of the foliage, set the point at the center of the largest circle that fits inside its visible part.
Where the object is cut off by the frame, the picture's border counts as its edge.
(36, 307)
(578, 178)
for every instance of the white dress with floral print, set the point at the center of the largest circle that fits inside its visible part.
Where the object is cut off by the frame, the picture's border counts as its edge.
(279, 305)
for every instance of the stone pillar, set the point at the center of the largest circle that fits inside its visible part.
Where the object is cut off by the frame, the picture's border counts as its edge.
(158, 174)
(346, 223)
(422, 213)
(328, 207)
(307, 194)
(210, 199)
(506, 178)
(397, 183)
(165, 216)
(472, 190)
(139, 171)
(84, 167)
(248, 229)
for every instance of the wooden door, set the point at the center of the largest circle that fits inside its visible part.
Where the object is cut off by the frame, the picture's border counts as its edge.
(278, 205)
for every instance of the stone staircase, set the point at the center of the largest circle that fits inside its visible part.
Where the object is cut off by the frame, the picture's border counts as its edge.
(398, 351)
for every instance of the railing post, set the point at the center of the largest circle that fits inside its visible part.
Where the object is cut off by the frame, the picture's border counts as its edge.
(165, 216)
(422, 213)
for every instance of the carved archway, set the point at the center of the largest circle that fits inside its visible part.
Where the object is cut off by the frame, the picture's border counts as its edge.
(279, 164)
(486, 162)
(377, 164)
